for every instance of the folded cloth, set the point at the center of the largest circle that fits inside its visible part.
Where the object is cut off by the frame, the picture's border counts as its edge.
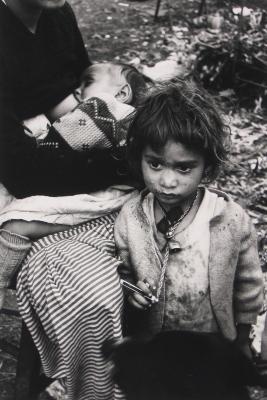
(68, 210)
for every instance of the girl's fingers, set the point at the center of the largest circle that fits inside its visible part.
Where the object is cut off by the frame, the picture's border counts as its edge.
(138, 301)
(142, 285)
(150, 284)
(135, 304)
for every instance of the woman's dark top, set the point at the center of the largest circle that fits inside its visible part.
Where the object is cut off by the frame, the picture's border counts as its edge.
(37, 71)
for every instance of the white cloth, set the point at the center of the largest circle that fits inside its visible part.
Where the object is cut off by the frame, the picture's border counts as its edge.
(68, 210)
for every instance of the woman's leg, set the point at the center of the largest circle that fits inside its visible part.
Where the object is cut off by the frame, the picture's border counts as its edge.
(70, 298)
(13, 249)
(15, 242)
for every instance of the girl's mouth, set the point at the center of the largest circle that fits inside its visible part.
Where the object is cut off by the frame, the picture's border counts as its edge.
(167, 196)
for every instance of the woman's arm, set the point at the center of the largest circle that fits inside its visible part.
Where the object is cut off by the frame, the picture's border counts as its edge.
(65, 106)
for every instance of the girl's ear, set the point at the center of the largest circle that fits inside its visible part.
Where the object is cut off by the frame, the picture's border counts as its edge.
(125, 94)
(207, 174)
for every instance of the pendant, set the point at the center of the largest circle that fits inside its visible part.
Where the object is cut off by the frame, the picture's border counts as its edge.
(169, 234)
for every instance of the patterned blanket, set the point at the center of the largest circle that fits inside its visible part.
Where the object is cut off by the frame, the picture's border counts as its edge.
(96, 123)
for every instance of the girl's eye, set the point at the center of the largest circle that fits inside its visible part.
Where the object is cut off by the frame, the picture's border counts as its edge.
(184, 169)
(155, 165)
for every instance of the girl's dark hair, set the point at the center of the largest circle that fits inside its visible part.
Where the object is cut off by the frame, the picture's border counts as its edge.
(178, 110)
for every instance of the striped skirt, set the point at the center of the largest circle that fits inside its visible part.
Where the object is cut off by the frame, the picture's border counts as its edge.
(70, 299)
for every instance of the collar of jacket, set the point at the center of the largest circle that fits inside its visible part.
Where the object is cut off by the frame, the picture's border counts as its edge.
(220, 193)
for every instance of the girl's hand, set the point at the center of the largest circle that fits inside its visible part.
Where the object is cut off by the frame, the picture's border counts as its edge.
(245, 349)
(139, 301)
(243, 341)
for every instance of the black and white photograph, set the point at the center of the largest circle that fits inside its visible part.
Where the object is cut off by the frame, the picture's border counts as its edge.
(133, 200)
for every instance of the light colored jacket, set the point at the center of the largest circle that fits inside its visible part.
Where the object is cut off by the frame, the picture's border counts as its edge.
(235, 275)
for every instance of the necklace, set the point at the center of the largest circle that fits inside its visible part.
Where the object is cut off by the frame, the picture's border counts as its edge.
(169, 234)
(173, 225)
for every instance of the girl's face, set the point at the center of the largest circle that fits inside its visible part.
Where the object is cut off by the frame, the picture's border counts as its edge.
(172, 174)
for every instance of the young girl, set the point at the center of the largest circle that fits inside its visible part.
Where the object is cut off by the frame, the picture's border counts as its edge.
(192, 250)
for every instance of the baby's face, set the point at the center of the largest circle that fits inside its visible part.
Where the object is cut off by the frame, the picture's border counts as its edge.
(107, 78)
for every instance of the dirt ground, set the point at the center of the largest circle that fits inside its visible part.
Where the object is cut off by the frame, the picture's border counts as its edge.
(122, 30)
(112, 29)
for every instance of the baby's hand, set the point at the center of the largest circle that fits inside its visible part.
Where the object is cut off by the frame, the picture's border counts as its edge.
(37, 127)
(139, 301)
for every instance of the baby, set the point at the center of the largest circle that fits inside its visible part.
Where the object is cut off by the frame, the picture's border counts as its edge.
(102, 112)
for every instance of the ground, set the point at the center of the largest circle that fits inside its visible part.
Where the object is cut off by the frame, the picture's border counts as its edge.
(126, 31)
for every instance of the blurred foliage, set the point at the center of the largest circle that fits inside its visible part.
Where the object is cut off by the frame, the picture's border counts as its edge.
(233, 54)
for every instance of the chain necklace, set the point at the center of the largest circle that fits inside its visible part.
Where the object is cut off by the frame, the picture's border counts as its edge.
(171, 229)
(169, 234)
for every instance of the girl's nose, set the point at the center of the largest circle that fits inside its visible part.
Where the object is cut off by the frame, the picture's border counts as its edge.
(168, 179)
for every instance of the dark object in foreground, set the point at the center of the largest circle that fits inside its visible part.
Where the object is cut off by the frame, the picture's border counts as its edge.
(181, 366)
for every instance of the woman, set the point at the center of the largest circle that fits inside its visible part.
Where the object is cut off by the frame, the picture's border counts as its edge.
(69, 281)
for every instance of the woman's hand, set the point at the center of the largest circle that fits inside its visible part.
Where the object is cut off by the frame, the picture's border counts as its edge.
(139, 301)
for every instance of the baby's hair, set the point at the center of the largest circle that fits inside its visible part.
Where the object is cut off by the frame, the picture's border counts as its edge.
(87, 77)
(181, 111)
(138, 82)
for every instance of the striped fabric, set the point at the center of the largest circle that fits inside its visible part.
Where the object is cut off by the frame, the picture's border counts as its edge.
(70, 298)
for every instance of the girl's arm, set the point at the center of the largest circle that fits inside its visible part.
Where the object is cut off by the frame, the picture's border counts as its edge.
(248, 292)
(122, 246)
(125, 269)
(243, 340)
(33, 229)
